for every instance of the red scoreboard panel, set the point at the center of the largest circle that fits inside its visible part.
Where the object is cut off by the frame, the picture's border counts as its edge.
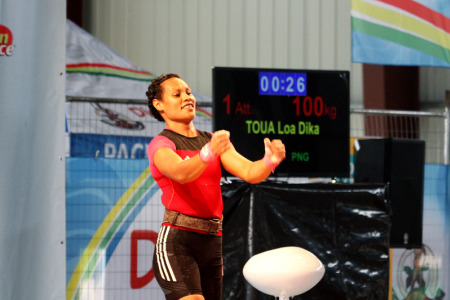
(308, 110)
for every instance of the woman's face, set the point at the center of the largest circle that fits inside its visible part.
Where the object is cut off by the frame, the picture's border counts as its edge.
(178, 103)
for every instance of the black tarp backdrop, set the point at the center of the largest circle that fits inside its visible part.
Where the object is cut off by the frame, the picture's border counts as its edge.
(345, 226)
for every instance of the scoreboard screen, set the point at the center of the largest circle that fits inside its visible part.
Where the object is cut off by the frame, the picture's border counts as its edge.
(307, 110)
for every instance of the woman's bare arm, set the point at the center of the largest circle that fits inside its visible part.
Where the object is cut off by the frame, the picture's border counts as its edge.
(253, 172)
(172, 166)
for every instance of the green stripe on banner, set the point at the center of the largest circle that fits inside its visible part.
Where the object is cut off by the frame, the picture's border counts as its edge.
(109, 71)
(107, 237)
(202, 114)
(401, 38)
(148, 78)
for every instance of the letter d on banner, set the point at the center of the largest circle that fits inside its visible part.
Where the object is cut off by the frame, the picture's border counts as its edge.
(135, 281)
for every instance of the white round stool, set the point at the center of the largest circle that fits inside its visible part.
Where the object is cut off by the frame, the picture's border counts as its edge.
(284, 272)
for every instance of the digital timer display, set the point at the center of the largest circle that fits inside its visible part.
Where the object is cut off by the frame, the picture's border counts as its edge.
(308, 110)
(276, 83)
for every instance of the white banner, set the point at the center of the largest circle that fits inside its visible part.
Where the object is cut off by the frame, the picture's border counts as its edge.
(123, 119)
(32, 167)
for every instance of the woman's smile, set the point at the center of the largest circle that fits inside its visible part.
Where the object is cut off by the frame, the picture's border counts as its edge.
(189, 106)
(177, 97)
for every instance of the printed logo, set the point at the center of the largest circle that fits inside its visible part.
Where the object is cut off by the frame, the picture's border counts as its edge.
(116, 119)
(6, 40)
(418, 276)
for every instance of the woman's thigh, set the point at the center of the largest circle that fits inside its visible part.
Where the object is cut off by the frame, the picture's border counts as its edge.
(188, 263)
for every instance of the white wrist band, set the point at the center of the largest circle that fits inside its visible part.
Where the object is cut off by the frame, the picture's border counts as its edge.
(206, 154)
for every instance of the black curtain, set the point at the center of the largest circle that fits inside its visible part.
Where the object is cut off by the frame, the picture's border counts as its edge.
(345, 226)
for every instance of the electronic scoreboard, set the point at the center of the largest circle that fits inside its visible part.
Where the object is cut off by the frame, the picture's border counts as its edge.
(307, 110)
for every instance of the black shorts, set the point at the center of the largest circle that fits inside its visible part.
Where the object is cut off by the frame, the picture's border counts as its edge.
(188, 263)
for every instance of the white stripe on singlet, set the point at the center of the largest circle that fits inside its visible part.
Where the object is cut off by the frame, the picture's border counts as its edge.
(161, 266)
(165, 255)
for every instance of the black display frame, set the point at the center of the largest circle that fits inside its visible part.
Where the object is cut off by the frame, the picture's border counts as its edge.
(328, 150)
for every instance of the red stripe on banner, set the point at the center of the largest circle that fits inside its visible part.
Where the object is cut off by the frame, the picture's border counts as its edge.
(423, 12)
(203, 111)
(105, 66)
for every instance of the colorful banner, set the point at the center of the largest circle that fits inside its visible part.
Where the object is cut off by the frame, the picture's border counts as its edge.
(401, 32)
(95, 70)
(113, 213)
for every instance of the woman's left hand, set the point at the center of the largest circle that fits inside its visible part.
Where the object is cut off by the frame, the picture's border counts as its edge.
(275, 150)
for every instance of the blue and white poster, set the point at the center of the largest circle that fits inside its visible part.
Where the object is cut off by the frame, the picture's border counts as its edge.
(113, 215)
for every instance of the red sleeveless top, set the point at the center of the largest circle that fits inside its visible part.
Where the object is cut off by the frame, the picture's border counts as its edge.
(201, 198)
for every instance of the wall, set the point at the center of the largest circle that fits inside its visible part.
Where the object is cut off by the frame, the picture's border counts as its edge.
(189, 37)
(433, 84)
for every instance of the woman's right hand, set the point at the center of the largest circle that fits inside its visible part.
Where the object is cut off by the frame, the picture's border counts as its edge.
(220, 142)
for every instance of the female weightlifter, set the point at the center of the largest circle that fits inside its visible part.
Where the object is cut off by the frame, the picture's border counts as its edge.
(185, 163)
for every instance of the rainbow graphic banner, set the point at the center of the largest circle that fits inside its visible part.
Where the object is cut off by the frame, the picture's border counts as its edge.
(110, 70)
(113, 215)
(401, 32)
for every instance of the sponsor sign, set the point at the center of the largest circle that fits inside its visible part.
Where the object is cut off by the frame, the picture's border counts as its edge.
(108, 146)
(6, 41)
